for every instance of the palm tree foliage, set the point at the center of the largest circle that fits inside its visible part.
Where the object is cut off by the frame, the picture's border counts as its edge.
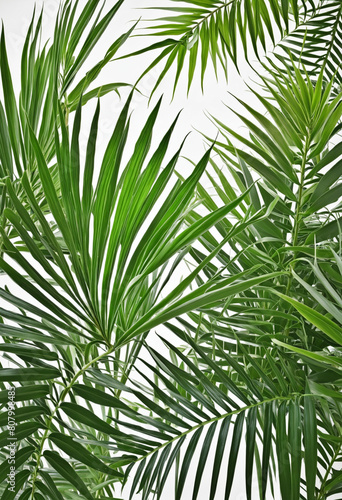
(245, 373)
(204, 30)
(230, 396)
(88, 315)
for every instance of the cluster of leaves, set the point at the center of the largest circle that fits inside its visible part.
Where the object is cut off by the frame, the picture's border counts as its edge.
(296, 249)
(253, 344)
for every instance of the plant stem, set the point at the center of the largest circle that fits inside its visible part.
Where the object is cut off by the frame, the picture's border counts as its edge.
(205, 18)
(297, 217)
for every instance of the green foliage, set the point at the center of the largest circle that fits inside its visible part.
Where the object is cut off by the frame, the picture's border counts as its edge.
(88, 316)
(124, 371)
(210, 396)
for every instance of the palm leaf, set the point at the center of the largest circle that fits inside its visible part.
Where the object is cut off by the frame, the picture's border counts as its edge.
(50, 75)
(317, 42)
(201, 31)
(210, 402)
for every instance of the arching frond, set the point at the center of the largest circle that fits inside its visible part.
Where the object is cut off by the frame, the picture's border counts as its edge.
(204, 405)
(51, 75)
(217, 30)
(92, 299)
(317, 43)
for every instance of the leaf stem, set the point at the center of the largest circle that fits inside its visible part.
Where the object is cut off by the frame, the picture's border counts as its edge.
(299, 203)
(205, 18)
(297, 217)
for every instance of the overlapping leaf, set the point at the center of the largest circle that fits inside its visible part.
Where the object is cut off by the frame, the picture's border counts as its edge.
(90, 298)
(317, 43)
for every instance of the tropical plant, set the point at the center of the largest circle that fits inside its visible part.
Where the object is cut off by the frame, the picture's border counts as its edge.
(89, 310)
(245, 370)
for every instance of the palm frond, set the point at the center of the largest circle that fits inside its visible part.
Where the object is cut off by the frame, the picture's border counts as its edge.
(251, 344)
(289, 151)
(50, 74)
(214, 30)
(206, 404)
(317, 43)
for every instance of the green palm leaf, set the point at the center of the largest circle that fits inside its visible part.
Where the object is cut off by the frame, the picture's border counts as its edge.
(317, 42)
(289, 150)
(50, 75)
(249, 364)
(196, 388)
(201, 31)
